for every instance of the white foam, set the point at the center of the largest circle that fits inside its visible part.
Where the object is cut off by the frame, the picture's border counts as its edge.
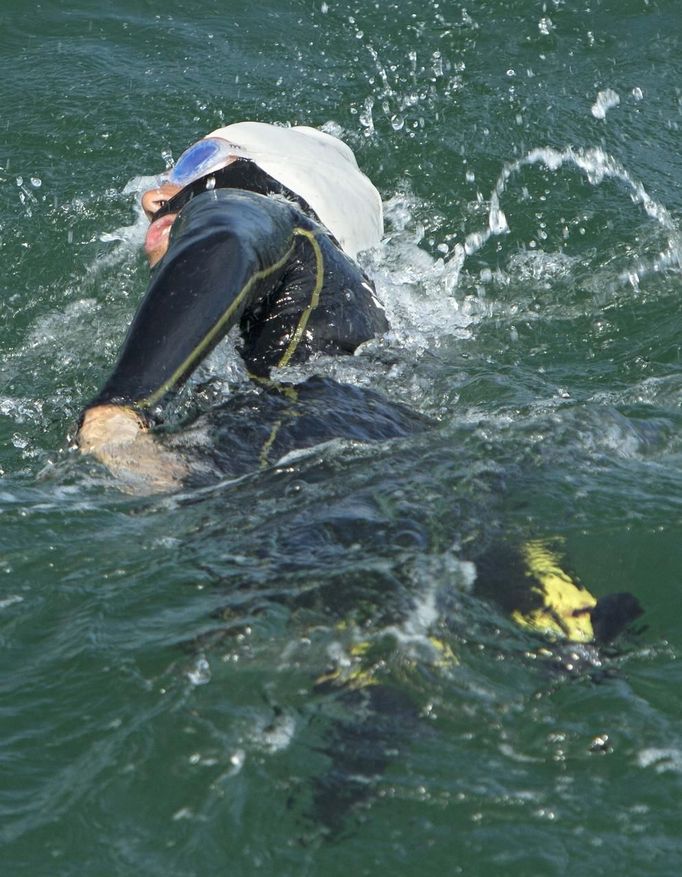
(435, 576)
(200, 672)
(277, 735)
(666, 759)
(416, 290)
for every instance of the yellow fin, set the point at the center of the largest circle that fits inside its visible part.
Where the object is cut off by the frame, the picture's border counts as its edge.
(566, 604)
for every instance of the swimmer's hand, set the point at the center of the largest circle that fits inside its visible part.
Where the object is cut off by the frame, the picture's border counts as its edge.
(117, 437)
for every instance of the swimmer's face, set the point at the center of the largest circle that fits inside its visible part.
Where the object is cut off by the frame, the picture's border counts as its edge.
(205, 157)
(156, 240)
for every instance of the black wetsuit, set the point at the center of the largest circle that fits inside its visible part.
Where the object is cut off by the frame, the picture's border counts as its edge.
(246, 259)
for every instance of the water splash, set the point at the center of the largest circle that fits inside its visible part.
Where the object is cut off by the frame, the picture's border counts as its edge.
(132, 236)
(606, 100)
(597, 166)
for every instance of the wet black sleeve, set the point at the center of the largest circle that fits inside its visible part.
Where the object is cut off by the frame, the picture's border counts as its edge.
(228, 249)
(323, 303)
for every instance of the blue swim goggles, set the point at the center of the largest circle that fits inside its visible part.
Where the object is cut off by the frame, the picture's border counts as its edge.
(216, 163)
(202, 158)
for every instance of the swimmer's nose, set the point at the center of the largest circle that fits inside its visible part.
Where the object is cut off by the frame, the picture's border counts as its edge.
(155, 199)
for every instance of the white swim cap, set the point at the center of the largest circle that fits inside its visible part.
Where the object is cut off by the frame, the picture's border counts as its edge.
(319, 168)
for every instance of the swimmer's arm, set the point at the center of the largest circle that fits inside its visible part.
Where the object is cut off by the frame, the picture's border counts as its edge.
(225, 256)
(117, 437)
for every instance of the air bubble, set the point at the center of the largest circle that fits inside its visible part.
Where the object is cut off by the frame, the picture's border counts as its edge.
(200, 674)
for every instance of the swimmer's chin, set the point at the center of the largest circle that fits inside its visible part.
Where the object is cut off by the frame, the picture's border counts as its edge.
(156, 239)
(118, 438)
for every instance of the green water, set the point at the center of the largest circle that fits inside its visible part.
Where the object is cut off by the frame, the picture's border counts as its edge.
(159, 713)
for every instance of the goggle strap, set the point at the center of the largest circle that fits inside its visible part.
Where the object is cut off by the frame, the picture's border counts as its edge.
(240, 174)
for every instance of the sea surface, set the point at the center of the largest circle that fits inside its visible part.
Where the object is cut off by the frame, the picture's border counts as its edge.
(287, 672)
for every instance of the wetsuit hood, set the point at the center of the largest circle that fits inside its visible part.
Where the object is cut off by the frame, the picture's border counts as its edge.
(319, 168)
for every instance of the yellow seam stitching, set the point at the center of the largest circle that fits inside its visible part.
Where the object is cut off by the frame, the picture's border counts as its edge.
(290, 392)
(314, 298)
(208, 338)
(265, 450)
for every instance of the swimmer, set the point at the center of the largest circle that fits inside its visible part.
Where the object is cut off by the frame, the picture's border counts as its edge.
(256, 226)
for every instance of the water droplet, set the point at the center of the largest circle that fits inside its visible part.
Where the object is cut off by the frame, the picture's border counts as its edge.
(497, 220)
(366, 118)
(606, 100)
(236, 762)
(600, 744)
